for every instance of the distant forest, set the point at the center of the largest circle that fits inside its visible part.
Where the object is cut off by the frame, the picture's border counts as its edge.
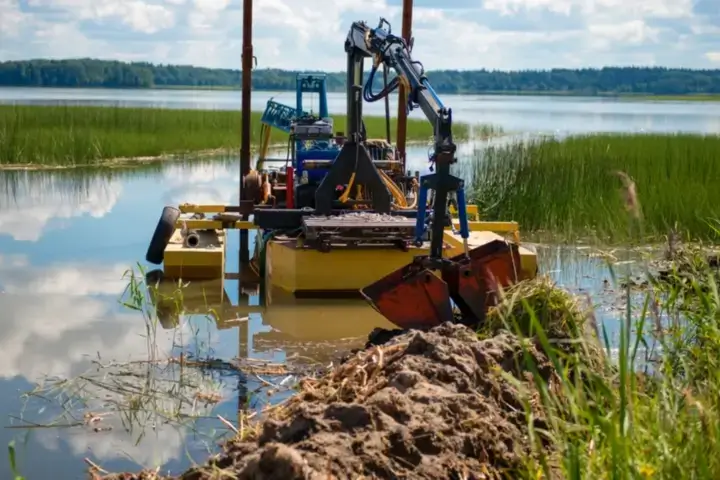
(610, 80)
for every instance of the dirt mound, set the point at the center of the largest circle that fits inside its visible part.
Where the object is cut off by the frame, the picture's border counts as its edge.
(435, 405)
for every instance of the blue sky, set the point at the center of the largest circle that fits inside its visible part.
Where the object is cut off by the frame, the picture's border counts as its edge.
(463, 34)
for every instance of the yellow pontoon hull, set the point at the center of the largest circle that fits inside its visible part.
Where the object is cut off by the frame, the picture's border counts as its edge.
(297, 269)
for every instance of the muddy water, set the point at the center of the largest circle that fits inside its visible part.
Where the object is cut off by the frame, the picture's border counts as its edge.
(66, 240)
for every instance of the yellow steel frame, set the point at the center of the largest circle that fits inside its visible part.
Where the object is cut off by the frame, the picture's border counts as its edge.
(472, 211)
(475, 226)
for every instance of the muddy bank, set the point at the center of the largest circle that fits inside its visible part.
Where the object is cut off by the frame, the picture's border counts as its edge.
(438, 404)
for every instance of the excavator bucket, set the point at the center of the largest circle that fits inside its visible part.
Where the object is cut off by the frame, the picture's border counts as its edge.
(411, 297)
(414, 297)
(474, 280)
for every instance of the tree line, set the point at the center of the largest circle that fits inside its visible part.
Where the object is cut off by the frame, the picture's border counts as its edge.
(114, 74)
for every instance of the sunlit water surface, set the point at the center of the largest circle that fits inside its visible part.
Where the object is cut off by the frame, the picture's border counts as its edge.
(68, 239)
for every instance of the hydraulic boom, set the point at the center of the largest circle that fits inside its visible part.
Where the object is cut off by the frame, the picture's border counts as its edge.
(414, 296)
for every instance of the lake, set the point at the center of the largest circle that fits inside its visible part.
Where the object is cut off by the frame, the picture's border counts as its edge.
(68, 238)
(515, 114)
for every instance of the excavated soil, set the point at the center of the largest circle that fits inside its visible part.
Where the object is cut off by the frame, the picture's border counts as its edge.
(433, 405)
(439, 404)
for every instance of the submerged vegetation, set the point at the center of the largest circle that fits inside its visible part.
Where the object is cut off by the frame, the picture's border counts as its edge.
(569, 187)
(78, 135)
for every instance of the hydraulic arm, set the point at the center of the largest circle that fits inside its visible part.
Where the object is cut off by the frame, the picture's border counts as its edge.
(414, 296)
(392, 50)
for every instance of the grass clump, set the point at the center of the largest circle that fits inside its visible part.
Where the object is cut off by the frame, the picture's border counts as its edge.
(80, 135)
(570, 186)
(658, 421)
(567, 323)
(663, 422)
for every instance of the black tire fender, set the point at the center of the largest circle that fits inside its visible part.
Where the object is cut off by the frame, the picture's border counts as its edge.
(163, 231)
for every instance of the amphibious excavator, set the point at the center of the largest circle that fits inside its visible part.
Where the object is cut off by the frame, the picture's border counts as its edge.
(408, 258)
(413, 295)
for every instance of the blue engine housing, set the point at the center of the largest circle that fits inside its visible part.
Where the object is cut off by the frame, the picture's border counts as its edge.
(314, 134)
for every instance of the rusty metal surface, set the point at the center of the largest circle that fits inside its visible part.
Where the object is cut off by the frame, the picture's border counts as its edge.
(402, 94)
(247, 63)
(247, 59)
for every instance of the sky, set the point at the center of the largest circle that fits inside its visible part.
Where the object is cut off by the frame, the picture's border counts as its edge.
(309, 34)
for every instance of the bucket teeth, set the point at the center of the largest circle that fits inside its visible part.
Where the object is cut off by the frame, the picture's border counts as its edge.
(411, 297)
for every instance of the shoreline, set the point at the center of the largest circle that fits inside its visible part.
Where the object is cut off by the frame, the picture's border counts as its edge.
(136, 161)
(116, 162)
(651, 97)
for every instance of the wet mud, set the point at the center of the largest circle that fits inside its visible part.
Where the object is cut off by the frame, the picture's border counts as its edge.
(439, 404)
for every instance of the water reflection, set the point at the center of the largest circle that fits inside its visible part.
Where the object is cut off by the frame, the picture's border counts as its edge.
(33, 200)
(57, 320)
(66, 240)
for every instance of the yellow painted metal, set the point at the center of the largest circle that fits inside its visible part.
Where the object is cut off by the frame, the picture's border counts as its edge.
(205, 261)
(216, 225)
(528, 258)
(472, 211)
(294, 269)
(500, 227)
(193, 208)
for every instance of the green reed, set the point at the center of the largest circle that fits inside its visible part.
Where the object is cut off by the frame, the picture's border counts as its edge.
(79, 135)
(570, 186)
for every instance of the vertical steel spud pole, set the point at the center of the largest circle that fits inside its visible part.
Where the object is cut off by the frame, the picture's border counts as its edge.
(247, 64)
(402, 94)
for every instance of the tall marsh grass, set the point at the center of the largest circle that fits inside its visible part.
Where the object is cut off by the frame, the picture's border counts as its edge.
(570, 186)
(621, 420)
(79, 135)
(622, 423)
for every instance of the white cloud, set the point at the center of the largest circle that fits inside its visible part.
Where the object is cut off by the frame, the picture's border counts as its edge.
(209, 184)
(79, 318)
(54, 336)
(10, 19)
(635, 32)
(714, 57)
(140, 16)
(618, 8)
(504, 34)
(41, 198)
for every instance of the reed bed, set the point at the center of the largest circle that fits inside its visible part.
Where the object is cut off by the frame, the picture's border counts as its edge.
(571, 187)
(67, 135)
